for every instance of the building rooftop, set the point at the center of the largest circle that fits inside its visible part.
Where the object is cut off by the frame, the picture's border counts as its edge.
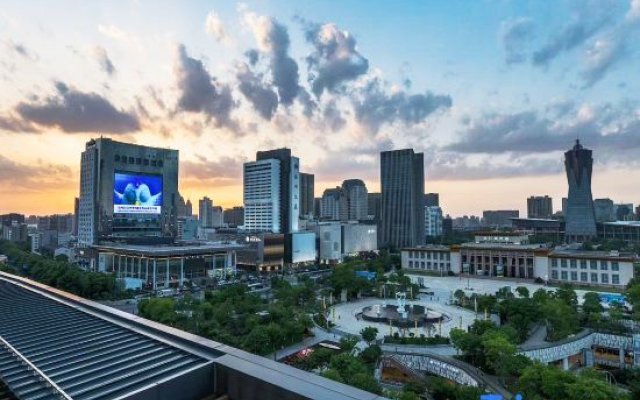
(594, 254)
(54, 345)
(433, 247)
(623, 223)
(169, 250)
(503, 246)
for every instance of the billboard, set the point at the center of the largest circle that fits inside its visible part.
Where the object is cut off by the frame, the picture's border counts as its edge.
(135, 193)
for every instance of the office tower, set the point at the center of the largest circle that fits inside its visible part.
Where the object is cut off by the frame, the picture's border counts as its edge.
(499, 218)
(333, 205)
(316, 207)
(355, 192)
(205, 212)
(188, 209)
(539, 207)
(604, 210)
(580, 220)
(306, 195)
(637, 213)
(234, 217)
(289, 189)
(373, 205)
(432, 200)
(402, 205)
(564, 205)
(624, 212)
(447, 226)
(433, 221)
(216, 217)
(128, 192)
(181, 206)
(76, 212)
(11, 219)
(261, 196)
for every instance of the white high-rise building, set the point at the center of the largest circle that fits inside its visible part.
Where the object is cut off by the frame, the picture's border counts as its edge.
(262, 196)
(205, 212)
(433, 221)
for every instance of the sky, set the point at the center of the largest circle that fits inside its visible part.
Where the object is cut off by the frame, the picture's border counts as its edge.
(491, 91)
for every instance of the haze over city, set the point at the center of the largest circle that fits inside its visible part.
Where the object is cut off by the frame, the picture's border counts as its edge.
(492, 92)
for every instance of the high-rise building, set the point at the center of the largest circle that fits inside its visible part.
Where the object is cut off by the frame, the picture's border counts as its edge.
(289, 188)
(580, 219)
(333, 205)
(127, 192)
(624, 212)
(234, 217)
(539, 207)
(432, 200)
(604, 210)
(447, 226)
(402, 205)
(317, 201)
(188, 209)
(499, 218)
(205, 212)
(564, 205)
(11, 219)
(433, 221)
(262, 196)
(373, 205)
(355, 192)
(306, 195)
(638, 213)
(62, 223)
(76, 213)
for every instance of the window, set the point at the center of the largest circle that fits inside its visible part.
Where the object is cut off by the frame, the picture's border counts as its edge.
(615, 279)
(563, 275)
(574, 276)
(574, 263)
(584, 277)
(563, 263)
(145, 161)
(160, 163)
(153, 163)
(605, 278)
(594, 277)
(422, 255)
(410, 264)
(593, 264)
(422, 264)
(138, 161)
(615, 266)
(429, 264)
(131, 160)
(554, 262)
(554, 274)
(117, 157)
(604, 265)
(583, 264)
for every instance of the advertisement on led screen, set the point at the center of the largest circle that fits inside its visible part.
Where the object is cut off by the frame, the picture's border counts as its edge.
(137, 193)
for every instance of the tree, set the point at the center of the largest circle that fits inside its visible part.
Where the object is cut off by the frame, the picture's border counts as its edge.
(371, 354)
(369, 334)
(522, 291)
(562, 320)
(567, 295)
(459, 295)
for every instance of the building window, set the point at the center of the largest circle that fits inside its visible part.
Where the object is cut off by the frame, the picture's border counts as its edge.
(584, 277)
(594, 277)
(145, 161)
(574, 276)
(117, 157)
(583, 264)
(160, 163)
(410, 264)
(428, 264)
(593, 264)
(604, 265)
(554, 274)
(422, 264)
(554, 262)
(615, 266)
(422, 255)
(615, 279)
(131, 160)
(605, 278)
(563, 263)
(574, 263)
(563, 275)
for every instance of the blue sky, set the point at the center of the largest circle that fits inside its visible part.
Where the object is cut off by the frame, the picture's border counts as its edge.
(491, 91)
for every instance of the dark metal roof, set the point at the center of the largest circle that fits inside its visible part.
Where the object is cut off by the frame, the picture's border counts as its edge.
(87, 357)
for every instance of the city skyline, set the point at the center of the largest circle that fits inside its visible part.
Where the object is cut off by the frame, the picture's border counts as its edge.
(215, 81)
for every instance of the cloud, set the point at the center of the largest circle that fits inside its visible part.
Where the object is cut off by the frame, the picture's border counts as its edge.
(13, 124)
(515, 36)
(215, 28)
(224, 170)
(261, 96)
(375, 106)
(105, 63)
(335, 59)
(199, 92)
(588, 19)
(15, 176)
(113, 32)
(273, 39)
(333, 117)
(73, 111)
(606, 128)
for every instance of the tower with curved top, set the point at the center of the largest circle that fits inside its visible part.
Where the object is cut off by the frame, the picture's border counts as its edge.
(580, 220)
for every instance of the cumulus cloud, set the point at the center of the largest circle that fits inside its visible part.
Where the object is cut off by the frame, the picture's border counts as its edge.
(226, 169)
(215, 28)
(103, 60)
(199, 92)
(335, 59)
(333, 116)
(589, 18)
(260, 95)
(73, 111)
(375, 106)
(272, 39)
(14, 124)
(15, 176)
(606, 128)
(515, 36)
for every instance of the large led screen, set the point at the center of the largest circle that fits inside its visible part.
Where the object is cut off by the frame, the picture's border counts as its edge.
(136, 193)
